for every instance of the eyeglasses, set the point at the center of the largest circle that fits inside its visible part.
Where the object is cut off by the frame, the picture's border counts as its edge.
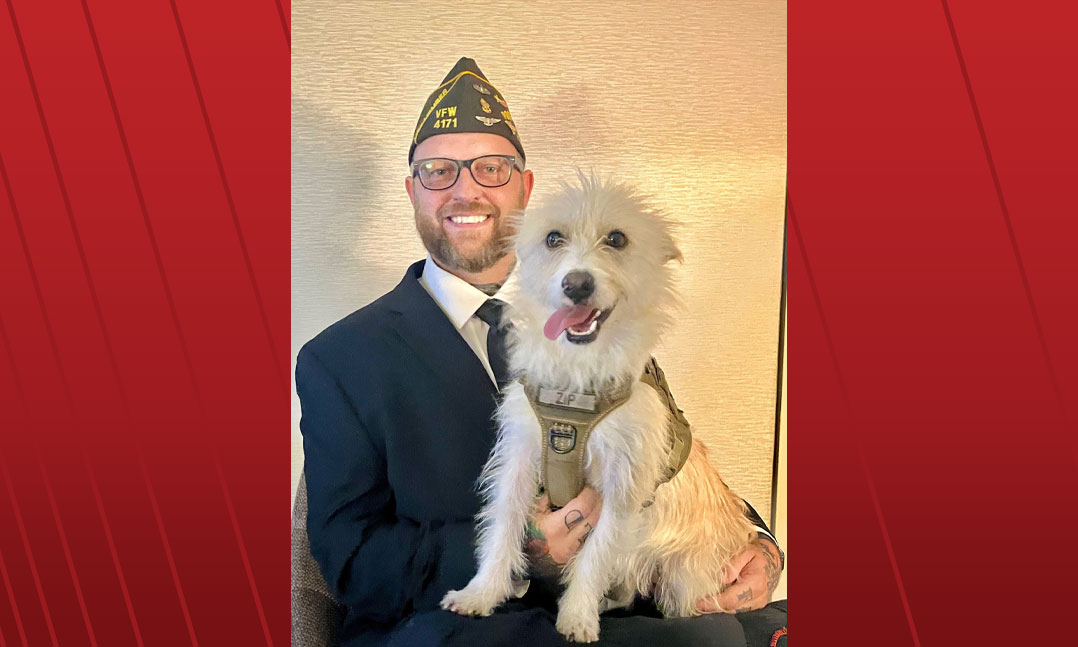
(439, 173)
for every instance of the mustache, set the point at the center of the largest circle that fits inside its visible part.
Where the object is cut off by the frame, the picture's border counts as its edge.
(462, 208)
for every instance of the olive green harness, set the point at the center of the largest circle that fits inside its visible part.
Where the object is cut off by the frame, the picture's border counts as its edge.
(567, 418)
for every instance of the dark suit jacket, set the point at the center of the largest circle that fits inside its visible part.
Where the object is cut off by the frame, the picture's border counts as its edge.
(397, 424)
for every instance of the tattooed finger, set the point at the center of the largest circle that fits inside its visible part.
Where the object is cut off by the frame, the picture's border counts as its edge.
(586, 534)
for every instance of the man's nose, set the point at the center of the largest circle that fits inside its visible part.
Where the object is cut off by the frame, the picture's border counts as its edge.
(466, 188)
(578, 285)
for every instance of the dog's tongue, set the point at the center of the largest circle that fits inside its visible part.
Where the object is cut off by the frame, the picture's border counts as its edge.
(564, 317)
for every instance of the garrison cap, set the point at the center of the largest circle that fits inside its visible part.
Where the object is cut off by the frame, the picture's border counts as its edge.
(465, 102)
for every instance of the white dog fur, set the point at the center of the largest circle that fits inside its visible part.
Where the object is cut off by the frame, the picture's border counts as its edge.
(675, 550)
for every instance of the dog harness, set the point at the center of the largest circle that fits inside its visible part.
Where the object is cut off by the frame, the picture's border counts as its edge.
(567, 418)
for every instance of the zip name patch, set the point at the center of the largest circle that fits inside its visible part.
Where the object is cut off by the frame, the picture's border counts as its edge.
(568, 399)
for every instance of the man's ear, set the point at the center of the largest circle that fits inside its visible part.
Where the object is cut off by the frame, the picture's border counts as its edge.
(529, 182)
(409, 187)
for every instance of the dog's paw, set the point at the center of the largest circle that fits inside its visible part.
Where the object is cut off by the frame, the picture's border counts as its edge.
(470, 601)
(578, 627)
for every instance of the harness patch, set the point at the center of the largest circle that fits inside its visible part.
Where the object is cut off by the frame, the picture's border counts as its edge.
(562, 437)
(568, 399)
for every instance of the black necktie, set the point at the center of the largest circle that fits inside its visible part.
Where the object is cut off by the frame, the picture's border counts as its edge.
(491, 314)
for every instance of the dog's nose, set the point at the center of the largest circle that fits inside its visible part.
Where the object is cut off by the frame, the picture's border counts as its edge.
(578, 285)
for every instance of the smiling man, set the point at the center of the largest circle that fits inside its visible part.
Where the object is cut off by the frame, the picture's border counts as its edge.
(397, 402)
(462, 206)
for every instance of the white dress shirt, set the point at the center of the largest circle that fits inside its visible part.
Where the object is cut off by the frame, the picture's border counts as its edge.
(459, 300)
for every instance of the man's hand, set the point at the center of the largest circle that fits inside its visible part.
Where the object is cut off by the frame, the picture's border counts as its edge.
(555, 536)
(750, 581)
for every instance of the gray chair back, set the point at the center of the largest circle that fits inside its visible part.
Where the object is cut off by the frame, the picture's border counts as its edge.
(316, 614)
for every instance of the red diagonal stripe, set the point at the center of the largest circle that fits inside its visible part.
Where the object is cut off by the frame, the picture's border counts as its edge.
(849, 412)
(67, 390)
(14, 604)
(37, 288)
(228, 197)
(64, 195)
(56, 356)
(22, 398)
(243, 548)
(63, 376)
(168, 290)
(284, 24)
(168, 549)
(166, 286)
(29, 553)
(51, 496)
(1007, 219)
(67, 549)
(19, 388)
(89, 279)
(112, 549)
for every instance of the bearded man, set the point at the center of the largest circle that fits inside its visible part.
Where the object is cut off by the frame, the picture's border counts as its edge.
(397, 402)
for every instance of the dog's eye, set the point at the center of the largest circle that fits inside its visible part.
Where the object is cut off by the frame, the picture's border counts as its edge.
(616, 239)
(554, 239)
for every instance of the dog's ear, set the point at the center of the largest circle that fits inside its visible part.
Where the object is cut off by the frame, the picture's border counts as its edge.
(672, 253)
(667, 239)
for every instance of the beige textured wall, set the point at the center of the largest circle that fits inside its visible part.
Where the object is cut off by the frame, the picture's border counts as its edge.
(685, 99)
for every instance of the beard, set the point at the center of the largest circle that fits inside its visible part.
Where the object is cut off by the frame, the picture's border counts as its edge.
(436, 240)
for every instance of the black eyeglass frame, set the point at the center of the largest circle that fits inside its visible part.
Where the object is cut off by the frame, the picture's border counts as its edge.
(514, 162)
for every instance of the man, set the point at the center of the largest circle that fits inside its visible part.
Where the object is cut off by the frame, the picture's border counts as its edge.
(397, 400)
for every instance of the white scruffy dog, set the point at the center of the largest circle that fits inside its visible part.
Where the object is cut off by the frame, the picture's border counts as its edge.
(591, 295)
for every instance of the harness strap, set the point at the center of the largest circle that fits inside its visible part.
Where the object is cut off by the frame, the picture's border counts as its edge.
(678, 425)
(567, 418)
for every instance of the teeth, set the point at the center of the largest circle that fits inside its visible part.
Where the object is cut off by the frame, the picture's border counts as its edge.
(591, 328)
(468, 220)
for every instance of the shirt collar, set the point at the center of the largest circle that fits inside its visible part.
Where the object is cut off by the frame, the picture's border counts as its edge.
(457, 298)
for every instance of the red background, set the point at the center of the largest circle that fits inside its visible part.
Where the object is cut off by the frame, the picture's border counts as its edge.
(144, 155)
(144, 320)
(933, 368)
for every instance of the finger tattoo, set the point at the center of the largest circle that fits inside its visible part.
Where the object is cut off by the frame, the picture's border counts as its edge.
(573, 518)
(744, 595)
(586, 534)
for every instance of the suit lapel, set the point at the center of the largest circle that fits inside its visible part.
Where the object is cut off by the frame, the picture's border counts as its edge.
(425, 328)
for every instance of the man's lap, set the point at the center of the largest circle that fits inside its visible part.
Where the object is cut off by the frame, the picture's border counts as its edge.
(518, 625)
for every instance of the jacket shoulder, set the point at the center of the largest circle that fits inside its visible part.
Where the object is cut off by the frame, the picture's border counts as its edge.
(364, 330)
